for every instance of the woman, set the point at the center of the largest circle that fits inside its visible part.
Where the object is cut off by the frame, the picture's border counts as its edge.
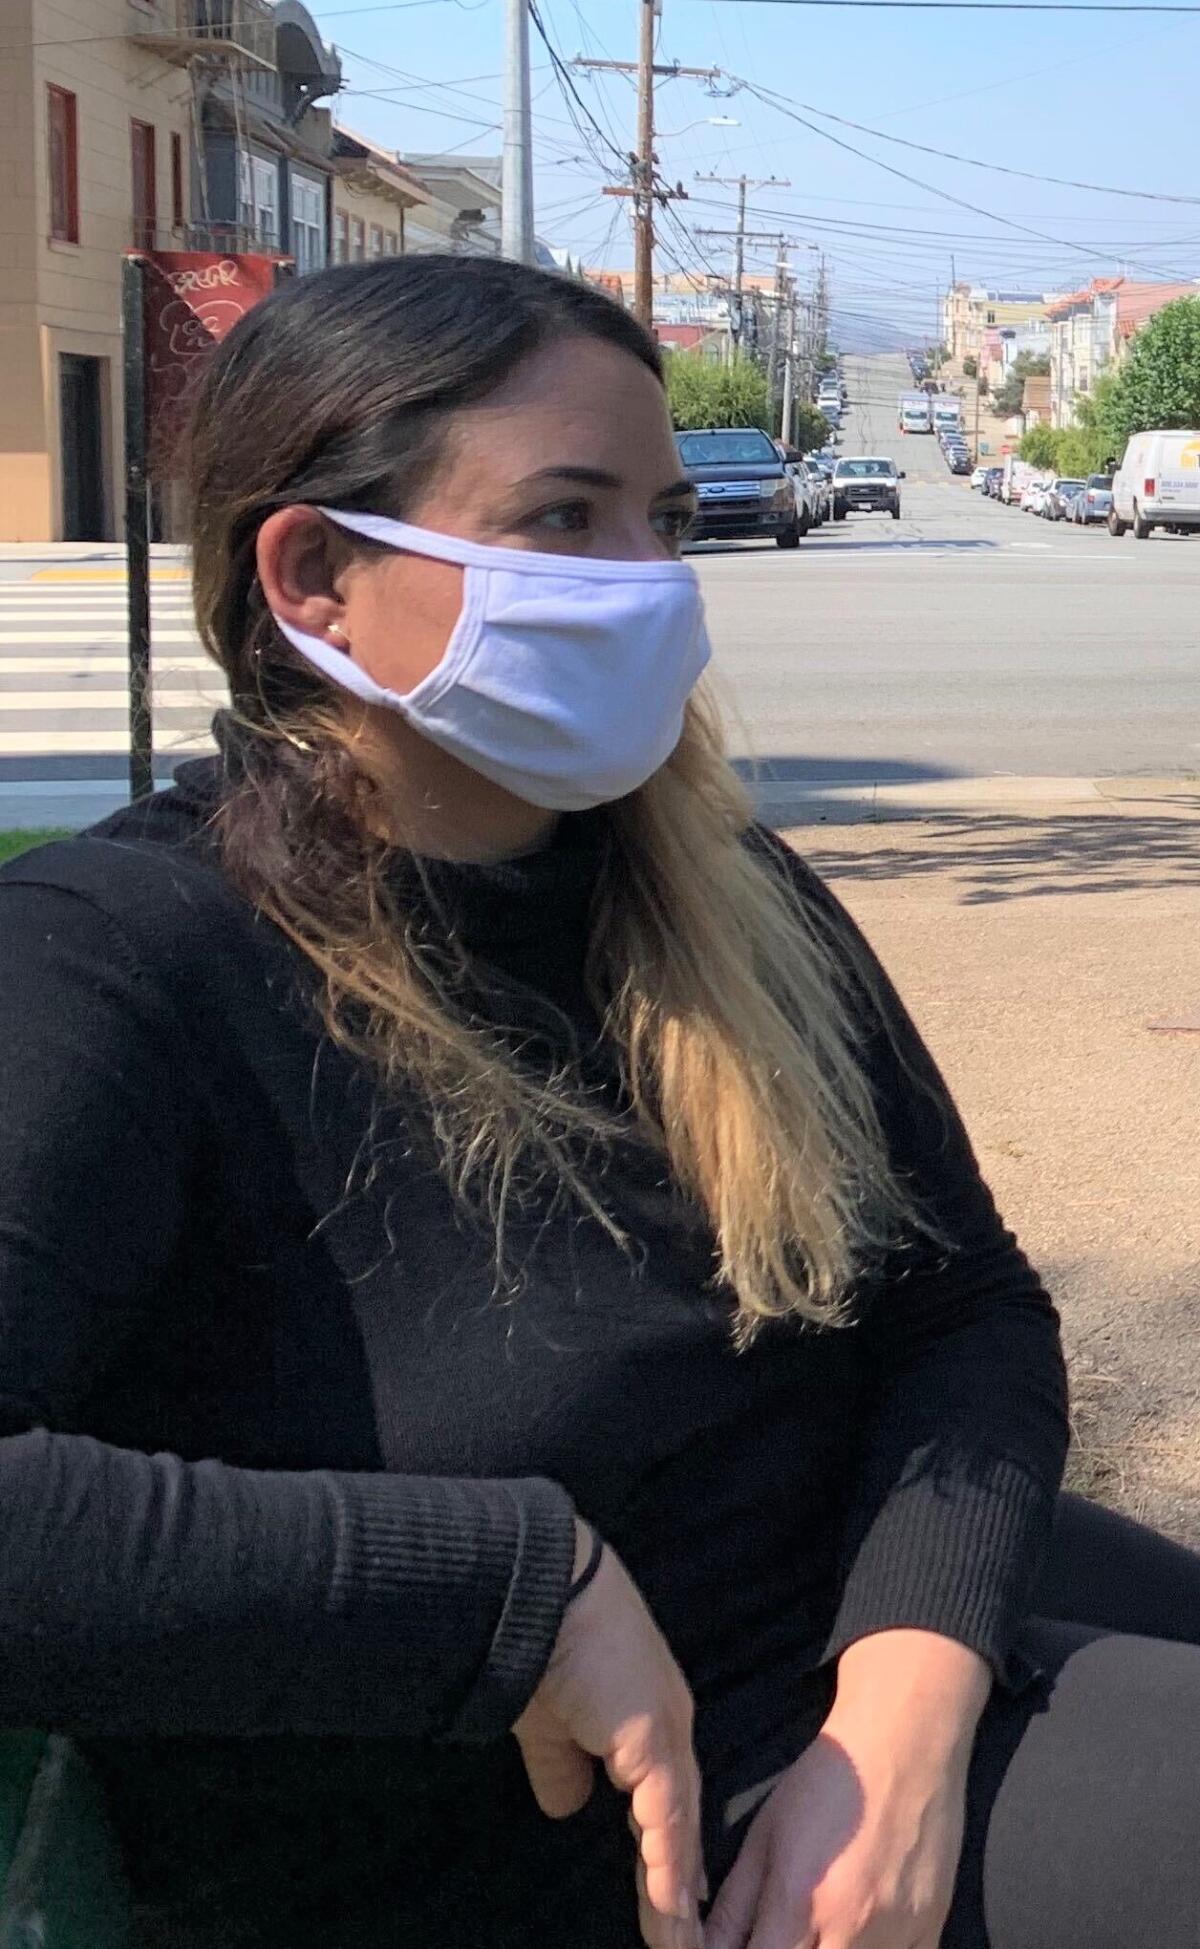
(483, 1250)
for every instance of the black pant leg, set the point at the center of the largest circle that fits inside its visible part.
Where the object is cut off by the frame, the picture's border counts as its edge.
(1083, 1809)
(1105, 1570)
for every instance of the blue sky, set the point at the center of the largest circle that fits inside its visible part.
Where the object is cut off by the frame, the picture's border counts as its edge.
(1103, 99)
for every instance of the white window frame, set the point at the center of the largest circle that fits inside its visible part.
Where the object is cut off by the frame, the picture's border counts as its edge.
(258, 197)
(308, 220)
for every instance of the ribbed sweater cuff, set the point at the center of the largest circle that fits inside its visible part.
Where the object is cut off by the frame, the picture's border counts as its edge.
(453, 1560)
(951, 1554)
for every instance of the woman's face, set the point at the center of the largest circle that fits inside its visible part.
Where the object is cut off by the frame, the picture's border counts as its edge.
(572, 455)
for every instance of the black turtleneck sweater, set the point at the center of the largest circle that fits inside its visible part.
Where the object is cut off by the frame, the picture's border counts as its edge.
(287, 1488)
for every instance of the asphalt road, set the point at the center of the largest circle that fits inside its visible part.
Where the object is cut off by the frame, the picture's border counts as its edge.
(967, 639)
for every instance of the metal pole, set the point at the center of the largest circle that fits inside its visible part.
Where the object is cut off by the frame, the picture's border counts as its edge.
(789, 368)
(643, 273)
(739, 264)
(978, 385)
(516, 205)
(137, 527)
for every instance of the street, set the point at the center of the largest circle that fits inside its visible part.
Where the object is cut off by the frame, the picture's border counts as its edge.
(968, 638)
(966, 641)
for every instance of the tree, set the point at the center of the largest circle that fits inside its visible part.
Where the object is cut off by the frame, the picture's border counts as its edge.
(704, 395)
(970, 368)
(1159, 384)
(1026, 365)
(1040, 447)
(810, 429)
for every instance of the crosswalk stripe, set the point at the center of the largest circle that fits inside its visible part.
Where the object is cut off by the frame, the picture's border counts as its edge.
(102, 666)
(113, 617)
(90, 635)
(57, 701)
(20, 744)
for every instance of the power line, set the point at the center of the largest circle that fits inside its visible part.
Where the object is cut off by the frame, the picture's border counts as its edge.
(991, 6)
(991, 216)
(973, 162)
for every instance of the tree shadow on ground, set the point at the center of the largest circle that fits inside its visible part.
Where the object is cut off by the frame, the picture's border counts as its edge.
(998, 857)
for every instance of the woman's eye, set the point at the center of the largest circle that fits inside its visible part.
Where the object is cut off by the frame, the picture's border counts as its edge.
(673, 522)
(567, 518)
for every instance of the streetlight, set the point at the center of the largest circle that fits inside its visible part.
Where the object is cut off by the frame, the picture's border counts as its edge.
(706, 121)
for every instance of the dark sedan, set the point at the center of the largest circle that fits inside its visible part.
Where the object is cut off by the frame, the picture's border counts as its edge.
(744, 489)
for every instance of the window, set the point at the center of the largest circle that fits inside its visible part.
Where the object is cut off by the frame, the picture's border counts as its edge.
(358, 240)
(258, 199)
(308, 221)
(145, 185)
(341, 237)
(376, 249)
(178, 219)
(391, 243)
(64, 164)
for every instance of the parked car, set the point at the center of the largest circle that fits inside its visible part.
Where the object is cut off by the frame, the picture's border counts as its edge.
(1033, 494)
(743, 485)
(979, 477)
(866, 485)
(993, 480)
(1095, 502)
(810, 493)
(1157, 485)
(1056, 502)
(959, 460)
(818, 479)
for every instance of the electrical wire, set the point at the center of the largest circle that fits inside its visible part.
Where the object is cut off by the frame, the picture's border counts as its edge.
(991, 216)
(973, 162)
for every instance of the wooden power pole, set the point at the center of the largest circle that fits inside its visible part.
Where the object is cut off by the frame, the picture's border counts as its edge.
(643, 209)
(643, 186)
(741, 184)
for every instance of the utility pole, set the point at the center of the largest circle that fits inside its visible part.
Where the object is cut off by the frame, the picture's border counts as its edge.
(744, 237)
(781, 273)
(741, 184)
(644, 187)
(516, 204)
(643, 209)
(789, 371)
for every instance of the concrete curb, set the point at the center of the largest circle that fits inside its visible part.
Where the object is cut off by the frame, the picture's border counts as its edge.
(816, 802)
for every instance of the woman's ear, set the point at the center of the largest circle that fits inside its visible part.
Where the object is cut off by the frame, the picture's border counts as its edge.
(297, 565)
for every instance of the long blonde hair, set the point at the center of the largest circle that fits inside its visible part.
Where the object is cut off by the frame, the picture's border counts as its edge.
(737, 1023)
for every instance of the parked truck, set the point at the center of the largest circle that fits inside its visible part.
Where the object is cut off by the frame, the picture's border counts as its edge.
(1015, 479)
(947, 413)
(915, 413)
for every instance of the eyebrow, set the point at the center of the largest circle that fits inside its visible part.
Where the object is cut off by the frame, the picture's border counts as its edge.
(600, 477)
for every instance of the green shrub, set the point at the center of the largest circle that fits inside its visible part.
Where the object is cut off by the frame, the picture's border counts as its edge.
(702, 394)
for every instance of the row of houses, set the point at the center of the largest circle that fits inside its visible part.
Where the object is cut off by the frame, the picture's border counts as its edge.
(171, 124)
(1081, 335)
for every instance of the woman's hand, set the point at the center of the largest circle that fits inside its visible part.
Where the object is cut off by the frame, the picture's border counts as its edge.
(612, 1691)
(858, 1845)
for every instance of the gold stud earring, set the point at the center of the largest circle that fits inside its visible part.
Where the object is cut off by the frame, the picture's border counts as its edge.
(338, 636)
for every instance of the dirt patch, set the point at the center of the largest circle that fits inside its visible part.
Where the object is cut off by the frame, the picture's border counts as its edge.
(1034, 955)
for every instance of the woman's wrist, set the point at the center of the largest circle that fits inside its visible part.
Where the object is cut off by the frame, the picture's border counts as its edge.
(915, 1689)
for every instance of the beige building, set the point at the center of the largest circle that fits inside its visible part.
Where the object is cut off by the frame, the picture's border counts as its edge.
(971, 311)
(169, 124)
(87, 120)
(1091, 331)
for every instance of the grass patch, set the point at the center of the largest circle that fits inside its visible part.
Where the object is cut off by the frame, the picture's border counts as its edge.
(12, 843)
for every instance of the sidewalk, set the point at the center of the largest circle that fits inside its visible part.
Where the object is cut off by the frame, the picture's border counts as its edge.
(1035, 950)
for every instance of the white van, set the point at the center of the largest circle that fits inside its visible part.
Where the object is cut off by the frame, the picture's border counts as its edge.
(1157, 484)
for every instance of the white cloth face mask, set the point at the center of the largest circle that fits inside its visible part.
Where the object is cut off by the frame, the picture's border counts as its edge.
(564, 679)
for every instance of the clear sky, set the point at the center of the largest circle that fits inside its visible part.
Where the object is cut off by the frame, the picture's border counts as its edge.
(1105, 99)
